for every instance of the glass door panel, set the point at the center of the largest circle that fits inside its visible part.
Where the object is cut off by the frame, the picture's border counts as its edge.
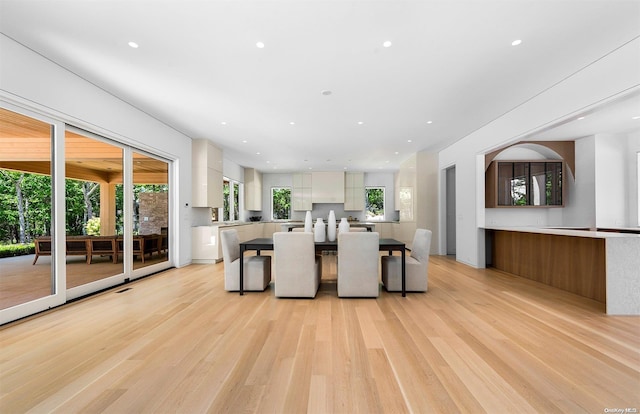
(94, 170)
(27, 246)
(150, 211)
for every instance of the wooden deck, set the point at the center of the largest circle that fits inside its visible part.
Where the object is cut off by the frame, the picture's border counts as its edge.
(477, 341)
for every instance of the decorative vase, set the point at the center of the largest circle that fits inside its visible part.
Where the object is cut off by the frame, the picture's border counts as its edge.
(331, 226)
(344, 225)
(308, 223)
(319, 235)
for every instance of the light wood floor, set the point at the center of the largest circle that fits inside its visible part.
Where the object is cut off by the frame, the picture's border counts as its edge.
(21, 281)
(478, 341)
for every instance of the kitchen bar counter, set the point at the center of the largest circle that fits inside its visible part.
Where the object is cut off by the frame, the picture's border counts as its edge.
(601, 265)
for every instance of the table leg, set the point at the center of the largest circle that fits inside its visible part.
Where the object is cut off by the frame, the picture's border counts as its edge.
(404, 292)
(242, 249)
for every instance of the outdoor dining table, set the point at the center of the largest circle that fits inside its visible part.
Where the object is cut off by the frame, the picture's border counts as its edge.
(260, 244)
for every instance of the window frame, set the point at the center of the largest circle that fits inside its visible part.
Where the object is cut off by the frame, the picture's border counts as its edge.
(233, 201)
(366, 202)
(273, 189)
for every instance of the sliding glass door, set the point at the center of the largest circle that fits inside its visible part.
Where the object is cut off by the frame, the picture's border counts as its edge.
(29, 228)
(150, 212)
(93, 172)
(79, 213)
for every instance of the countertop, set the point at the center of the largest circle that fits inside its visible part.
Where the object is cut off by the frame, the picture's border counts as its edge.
(565, 231)
(292, 223)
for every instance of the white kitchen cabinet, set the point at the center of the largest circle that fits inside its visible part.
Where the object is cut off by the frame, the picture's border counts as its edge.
(385, 230)
(205, 245)
(252, 189)
(206, 174)
(404, 232)
(354, 191)
(327, 187)
(396, 190)
(270, 228)
(301, 197)
(205, 240)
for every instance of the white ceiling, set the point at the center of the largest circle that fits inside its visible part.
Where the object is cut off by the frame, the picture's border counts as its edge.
(451, 62)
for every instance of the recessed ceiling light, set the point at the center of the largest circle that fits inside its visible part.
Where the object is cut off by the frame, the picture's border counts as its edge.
(429, 122)
(292, 123)
(326, 92)
(223, 123)
(244, 141)
(516, 42)
(257, 153)
(387, 44)
(396, 153)
(260, 45)
(360, 122)
(133, 45)
(581, 118)
(409, 140)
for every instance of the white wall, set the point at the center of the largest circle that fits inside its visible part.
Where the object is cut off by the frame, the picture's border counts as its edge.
(232, 171)
(274, 180)
(580, 209)
(30, 81)
(612, 198)
(380, 179)
(613, 75)
(633, 172)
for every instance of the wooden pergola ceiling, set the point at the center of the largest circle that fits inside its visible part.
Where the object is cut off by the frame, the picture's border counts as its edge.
(25, 145)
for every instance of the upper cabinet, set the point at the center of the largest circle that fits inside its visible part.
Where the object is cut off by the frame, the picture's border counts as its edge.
(328, 187)
(354, 191)
(252, 189)
(206, 183)
(524, 184)
(302, 192)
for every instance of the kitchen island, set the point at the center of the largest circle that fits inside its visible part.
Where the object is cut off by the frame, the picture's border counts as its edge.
(604, 266)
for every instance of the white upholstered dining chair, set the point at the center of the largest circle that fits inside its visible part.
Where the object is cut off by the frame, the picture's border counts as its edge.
(417, 266)
(297, 268)
(358, 260)
(257, 269)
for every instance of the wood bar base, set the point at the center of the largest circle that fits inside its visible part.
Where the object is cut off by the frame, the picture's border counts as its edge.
(574, 264)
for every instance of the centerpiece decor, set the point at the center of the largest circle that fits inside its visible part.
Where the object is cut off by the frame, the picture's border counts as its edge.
(344, 226)
(331, 226)
(319, 234)
(308, 223)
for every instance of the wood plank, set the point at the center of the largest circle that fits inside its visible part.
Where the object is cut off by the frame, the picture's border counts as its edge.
(480, 340)
(574, 264)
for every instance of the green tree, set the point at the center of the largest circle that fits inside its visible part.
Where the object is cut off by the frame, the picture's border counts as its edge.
(374, 202)
(281, 203)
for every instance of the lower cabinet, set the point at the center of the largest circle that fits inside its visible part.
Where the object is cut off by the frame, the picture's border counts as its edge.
(205, 245)
(205, 240)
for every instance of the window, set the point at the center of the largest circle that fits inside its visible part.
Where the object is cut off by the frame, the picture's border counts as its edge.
(374, 203)
(280, 203)
(530, 184)
(231, 198)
